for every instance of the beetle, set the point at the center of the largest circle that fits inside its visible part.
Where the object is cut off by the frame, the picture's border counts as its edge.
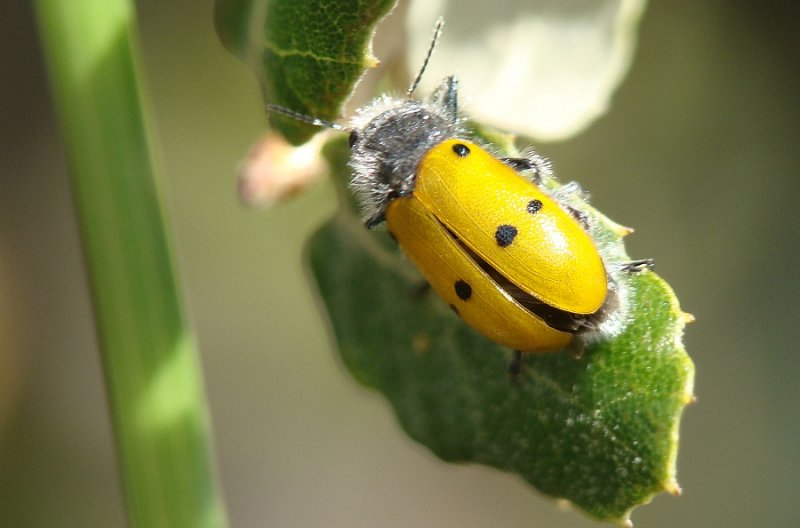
(516, 260)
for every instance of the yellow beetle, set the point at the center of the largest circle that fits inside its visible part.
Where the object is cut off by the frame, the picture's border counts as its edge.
(469, 289)
(512, 225)
(516, 262)
(501, 252)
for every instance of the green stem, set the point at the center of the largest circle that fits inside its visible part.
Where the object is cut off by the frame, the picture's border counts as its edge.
(153, 377)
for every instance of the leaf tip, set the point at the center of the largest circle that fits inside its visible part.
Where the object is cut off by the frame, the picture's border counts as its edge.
(673, 488)
(624, 231)
(564, 504)
(687, 317)
(620, 230)
(371, 61)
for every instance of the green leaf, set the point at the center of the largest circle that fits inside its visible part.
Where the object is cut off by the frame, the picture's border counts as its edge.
(600, 431)
(313, 52)
(234, 23)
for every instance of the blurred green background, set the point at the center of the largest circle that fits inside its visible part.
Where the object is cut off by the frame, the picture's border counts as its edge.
(699, 153)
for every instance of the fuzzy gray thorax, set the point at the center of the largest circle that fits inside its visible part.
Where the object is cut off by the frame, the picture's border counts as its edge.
(389, 140)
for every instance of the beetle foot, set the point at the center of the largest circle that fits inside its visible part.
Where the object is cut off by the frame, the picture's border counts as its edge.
(637, 266)
(515, 366)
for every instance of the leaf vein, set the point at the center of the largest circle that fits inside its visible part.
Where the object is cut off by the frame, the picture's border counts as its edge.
(306, 53)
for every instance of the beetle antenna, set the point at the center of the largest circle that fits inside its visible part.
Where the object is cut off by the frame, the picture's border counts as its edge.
(305, 119)
(437, 30)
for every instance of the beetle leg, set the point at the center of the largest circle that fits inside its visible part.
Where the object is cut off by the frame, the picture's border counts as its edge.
(538, 165)
(376, 219)
(637, 266)
(580, 216)
(520, 164)
(420, 290)
(446, 95)
(515, 365)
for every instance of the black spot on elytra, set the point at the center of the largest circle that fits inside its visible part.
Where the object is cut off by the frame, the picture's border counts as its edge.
(461, 150)
(505, 235)
(463, 290)
(534, 206)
